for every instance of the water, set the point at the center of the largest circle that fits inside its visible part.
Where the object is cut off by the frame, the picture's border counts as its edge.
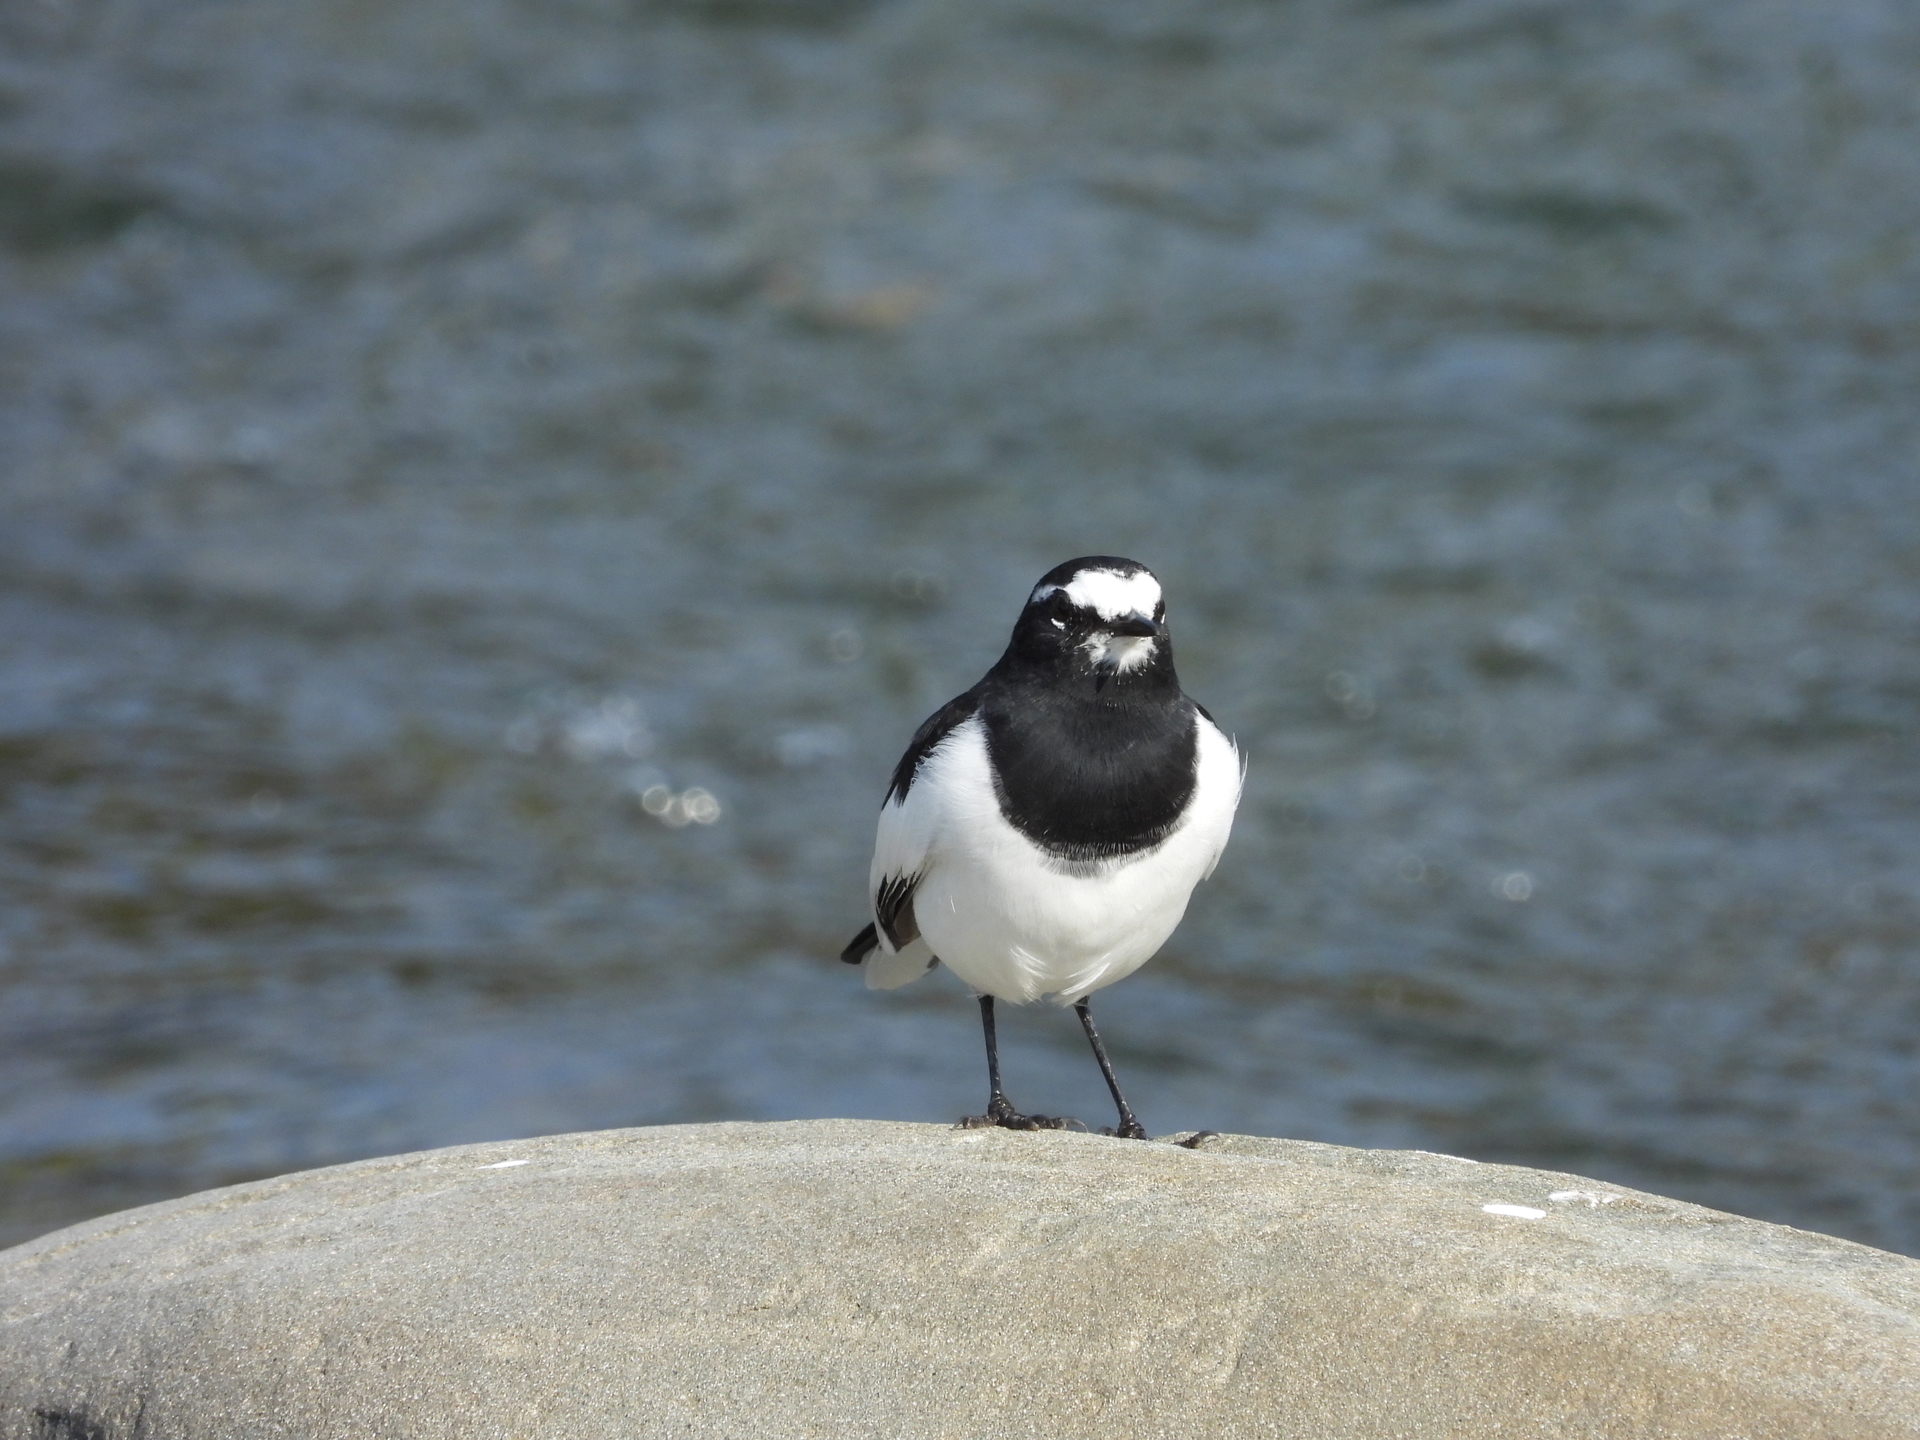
(489, 489)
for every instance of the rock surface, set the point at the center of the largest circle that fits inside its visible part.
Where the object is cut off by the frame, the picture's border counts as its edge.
(842, 1278)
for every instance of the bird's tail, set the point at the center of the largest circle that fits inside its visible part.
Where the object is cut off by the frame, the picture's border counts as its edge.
(861, 946)
(885, 969)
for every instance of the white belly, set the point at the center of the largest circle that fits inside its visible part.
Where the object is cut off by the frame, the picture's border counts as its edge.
(1016, 924)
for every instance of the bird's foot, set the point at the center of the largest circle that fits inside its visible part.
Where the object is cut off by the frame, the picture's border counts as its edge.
(1128, 1129)
(1192, 1142)
(1002, 1115)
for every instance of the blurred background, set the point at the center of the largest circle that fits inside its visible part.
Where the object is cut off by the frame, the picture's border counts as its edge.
(489, 487)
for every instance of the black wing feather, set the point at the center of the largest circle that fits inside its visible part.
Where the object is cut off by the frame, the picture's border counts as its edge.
(935, 728)
(861, 946)
(893, 908)
(893, 905)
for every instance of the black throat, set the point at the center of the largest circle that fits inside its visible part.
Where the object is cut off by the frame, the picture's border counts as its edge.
(1090, 768)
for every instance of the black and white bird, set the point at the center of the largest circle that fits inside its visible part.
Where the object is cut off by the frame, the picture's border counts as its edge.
(1044, 830)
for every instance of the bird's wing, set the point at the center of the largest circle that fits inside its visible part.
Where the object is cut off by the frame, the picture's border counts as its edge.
(935, 728)
(908, 818)
(890, 972)
(1220, 772)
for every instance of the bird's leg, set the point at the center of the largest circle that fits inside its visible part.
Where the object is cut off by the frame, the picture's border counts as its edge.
(1130, 1128)
(1000, 1111)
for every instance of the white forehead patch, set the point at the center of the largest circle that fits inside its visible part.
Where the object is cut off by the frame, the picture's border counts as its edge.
(1108, 595)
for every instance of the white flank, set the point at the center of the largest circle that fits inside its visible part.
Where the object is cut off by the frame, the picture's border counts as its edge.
(1108, 595)
(1012, 921)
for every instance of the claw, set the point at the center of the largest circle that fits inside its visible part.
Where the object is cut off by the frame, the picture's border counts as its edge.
(1002, 1115)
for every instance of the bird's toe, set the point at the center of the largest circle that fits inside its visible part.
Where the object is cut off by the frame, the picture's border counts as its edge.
(1011, 1119)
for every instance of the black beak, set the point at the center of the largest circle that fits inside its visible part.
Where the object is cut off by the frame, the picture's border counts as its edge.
(1140, 625)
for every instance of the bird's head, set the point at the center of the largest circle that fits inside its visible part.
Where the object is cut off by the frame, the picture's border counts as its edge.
(1099, 618)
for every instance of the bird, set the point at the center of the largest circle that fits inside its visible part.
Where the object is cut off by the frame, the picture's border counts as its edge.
(1044, 830)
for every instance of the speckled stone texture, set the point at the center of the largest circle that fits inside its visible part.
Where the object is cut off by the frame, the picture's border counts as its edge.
(852, 1278)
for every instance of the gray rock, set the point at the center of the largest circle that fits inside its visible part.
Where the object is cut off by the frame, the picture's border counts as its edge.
(841, 1278)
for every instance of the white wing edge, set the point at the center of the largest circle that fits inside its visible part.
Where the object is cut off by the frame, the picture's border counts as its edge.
(900, 844)
(1221, 778)
(890, 969)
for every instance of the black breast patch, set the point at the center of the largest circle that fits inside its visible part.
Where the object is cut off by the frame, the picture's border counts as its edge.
(1089, 781)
